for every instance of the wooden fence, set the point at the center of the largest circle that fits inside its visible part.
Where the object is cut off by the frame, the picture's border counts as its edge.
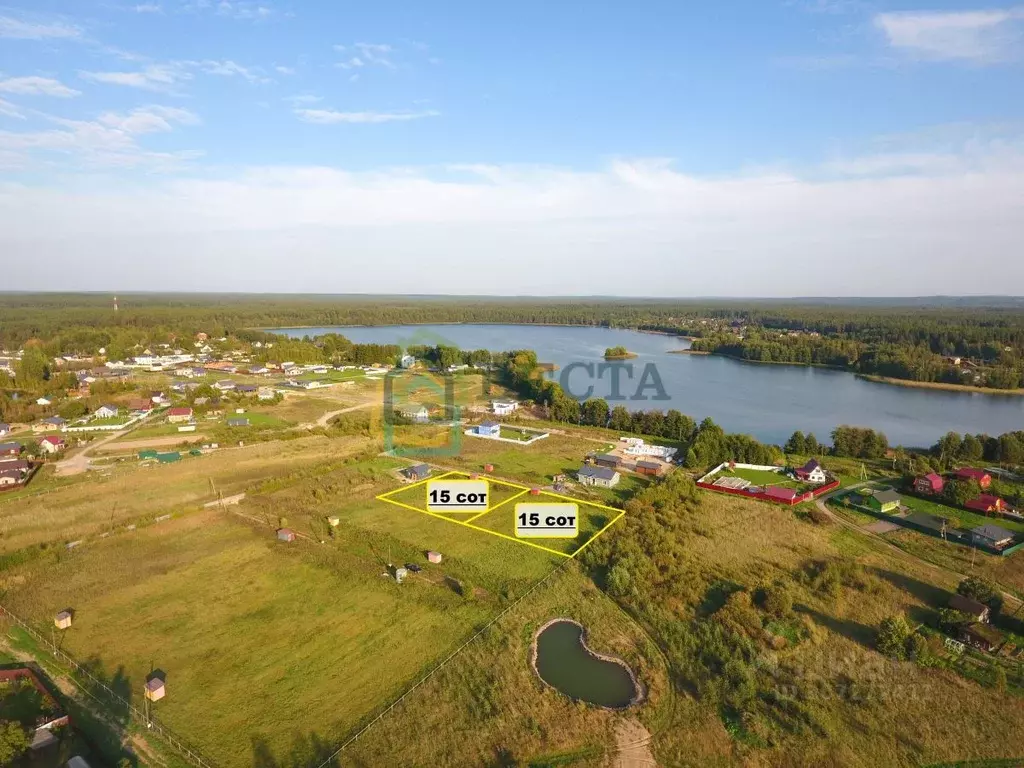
(94, 685)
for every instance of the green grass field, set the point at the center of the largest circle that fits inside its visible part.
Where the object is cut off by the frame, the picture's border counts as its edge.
(963, 518)
(302, 638)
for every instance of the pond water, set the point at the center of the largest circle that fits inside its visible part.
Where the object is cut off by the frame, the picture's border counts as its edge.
(766, 401)
(564, 663)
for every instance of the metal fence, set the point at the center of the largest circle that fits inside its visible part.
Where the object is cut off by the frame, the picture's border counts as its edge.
(173, 740)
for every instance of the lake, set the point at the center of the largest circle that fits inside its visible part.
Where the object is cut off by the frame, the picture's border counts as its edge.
(766, 401)
(564, 663)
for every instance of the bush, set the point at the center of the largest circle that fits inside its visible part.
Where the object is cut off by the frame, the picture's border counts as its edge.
(893, 634)
(777, 601)
(917, 648)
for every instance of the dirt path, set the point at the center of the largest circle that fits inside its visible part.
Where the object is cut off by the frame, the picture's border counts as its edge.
(80, 461)
(823, 507)
(633, 746)
(324, 420)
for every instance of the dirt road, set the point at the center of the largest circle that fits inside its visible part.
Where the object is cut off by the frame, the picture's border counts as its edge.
(129, 446)
(324, 420)
(633, 746)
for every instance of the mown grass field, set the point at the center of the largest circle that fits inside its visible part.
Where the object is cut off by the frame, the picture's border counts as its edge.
(264, 642)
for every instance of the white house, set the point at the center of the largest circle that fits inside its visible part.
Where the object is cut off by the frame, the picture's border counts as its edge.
(489, 429)
(224, 385)
(407, 361)
(105, 412)
(417, 413)
(266, 393)
(51, 444)
(504, 407)
(43, 401)
(811, 472)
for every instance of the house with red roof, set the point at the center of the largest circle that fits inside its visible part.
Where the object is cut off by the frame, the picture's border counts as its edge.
(930, 484)
(983, 478)
(180, 414)
(986, 503)
(811, 472)
(51, 444)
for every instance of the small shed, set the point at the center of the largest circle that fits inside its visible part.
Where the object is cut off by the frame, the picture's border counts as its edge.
(607, 460)
(398, 572)
(488, 467)
(238, 422)
(333, 521)
(155, 689)
(417, 472)
(63, 620)
(651, 468)
(886, 501)
(434, 557)
(535, 491)
(285, 534)
(489, 429)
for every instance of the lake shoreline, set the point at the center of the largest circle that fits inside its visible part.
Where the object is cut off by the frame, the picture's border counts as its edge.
(939, 385)
(638, 698)
(280, 328)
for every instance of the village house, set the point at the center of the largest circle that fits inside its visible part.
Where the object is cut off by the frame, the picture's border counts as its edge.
(407, 361)
(5, 429)
(51, 715)
(51, 444)
(504, 407)
(974, 609)
(49, 423)
(246, 389)
(986, 504)
(602, 477)
(930, 484)
(10, 450)
(43, 401)
(9, 477)
(489, 429)
(992, 536)
(811, 472)
(140, 405)
(417, 413)
(224, 385)
(240, 421)
(983, 478)
(981, 636)
(416, 472)
(179, 415)
(266, 393)
(886, 502)
(105, 412)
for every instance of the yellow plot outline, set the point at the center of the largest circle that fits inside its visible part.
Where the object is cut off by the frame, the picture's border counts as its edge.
(386, 497)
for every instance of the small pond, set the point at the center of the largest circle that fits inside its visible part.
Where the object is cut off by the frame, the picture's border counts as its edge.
(565, 663)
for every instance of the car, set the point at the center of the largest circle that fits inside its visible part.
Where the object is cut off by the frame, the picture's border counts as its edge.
(413, 568)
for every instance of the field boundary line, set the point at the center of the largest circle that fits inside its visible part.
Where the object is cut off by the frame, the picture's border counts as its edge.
(441, 664)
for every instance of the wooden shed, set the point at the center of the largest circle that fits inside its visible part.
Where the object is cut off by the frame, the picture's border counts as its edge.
(155, 689)
(63, 620)
(652, 468)
(434, 557)
(285, 534)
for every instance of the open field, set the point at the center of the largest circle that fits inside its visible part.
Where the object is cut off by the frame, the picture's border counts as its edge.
(78, 508)
(304, 639)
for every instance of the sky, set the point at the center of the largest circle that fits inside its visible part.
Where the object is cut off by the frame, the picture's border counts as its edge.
(732, 148)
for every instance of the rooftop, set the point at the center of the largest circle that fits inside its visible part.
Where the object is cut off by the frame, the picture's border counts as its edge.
(601, 473)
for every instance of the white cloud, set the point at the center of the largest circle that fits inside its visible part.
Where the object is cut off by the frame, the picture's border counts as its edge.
(148, 8)
(110, 141)
(284, 70)
(25, 29)
(368, 54)
(9, 110)
(330, 116)
(409, 230)
(985, 36)
(44, 86)
(245, 10)
(229, 68)
(151, 119)
(303, 98)
(157, 77)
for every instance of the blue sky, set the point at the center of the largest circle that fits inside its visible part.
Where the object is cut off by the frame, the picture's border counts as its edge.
(392, 146)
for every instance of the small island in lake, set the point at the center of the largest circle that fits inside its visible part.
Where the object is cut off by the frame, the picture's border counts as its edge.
(618, 353)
